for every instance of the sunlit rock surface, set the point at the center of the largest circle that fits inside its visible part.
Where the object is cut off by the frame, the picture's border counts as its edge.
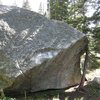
(48, 51)
(97, 80)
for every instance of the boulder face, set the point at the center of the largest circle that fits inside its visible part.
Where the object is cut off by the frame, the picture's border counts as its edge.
(46, 53)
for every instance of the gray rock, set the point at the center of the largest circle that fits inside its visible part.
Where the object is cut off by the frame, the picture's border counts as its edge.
(46, 51)
(97, 80)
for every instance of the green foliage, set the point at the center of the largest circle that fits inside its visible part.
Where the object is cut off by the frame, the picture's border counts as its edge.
(58, 9)
(74, 13)
(95, 35)
(94, 90)
(7, 98)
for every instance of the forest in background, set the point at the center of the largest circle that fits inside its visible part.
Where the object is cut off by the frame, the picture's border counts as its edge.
(78, 14)
(83, 15)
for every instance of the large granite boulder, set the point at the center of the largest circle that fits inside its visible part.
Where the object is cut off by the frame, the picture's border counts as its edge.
(46, 53)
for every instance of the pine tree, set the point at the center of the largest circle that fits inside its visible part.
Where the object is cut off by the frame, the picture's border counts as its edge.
(70, 11)
(26, 5)
(58, 9)
(0, 2)
(74, 13)
(15, 4)
(95, 35)
(40, 9)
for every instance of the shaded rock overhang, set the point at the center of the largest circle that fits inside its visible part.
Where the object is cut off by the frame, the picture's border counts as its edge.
(26, 77)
